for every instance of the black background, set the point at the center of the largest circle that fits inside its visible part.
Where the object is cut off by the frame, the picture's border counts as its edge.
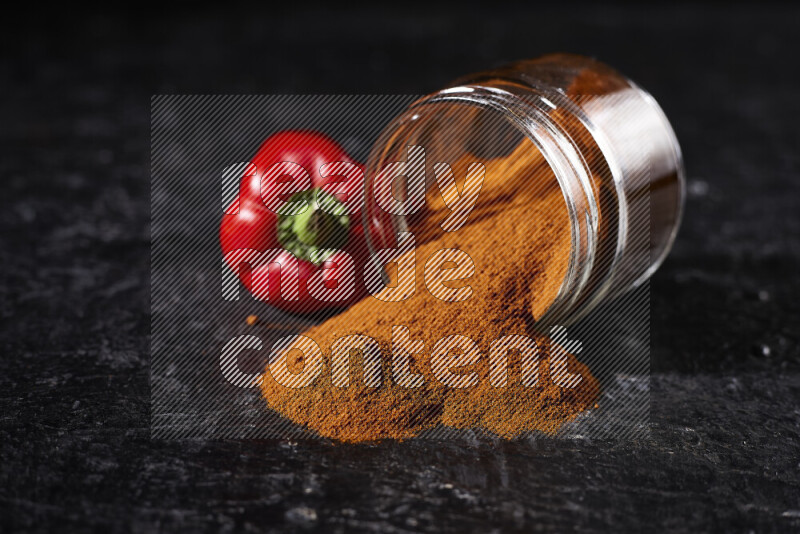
(75, 452)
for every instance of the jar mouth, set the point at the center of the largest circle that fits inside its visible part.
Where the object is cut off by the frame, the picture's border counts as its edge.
(491, 123)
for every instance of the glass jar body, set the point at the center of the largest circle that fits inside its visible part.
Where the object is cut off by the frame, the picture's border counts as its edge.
(608, 144)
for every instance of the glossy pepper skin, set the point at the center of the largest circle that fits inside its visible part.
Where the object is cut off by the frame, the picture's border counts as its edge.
(300, 168)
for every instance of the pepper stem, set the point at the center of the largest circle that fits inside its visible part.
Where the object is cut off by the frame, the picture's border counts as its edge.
(314, 226)
(317, 232)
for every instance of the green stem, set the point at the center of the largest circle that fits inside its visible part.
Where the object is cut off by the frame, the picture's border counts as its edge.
(314, 234)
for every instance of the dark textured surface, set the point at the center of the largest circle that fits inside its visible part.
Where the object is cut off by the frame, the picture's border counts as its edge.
(75, 452)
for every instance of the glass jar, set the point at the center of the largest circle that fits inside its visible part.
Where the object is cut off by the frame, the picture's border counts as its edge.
(607, 144)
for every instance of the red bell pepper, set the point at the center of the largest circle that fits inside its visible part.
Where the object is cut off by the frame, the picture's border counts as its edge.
(304, 195)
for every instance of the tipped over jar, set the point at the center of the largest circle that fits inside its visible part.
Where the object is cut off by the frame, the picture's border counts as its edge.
(559, 121)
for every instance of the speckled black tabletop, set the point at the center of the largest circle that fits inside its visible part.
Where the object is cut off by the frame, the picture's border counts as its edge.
(75, 448)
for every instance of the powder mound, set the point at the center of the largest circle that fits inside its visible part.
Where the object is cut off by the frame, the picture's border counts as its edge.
(518, 237)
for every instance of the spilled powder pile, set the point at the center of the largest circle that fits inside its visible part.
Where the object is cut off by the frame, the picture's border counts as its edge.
(518, 236)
